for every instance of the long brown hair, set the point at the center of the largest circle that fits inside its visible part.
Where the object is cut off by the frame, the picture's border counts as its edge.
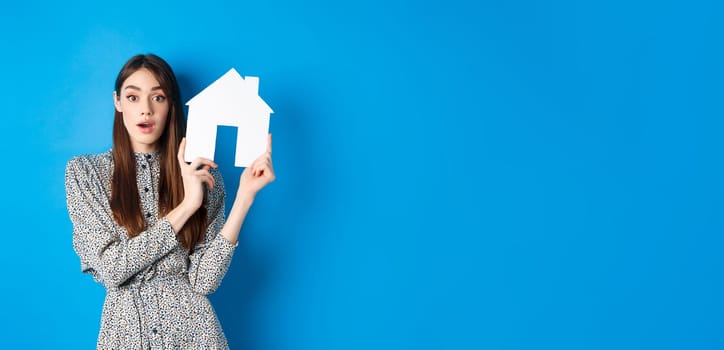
(125, 199)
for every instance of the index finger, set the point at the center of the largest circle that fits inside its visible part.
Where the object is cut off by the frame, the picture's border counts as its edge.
(269, 143)
(199, 162)
(182, 151)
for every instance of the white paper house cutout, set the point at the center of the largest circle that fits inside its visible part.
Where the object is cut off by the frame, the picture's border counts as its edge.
(229, 101)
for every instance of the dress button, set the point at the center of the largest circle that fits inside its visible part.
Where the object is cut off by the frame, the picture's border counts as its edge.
(145, 189)
(143, 166)
(148, 156)
(148, 215)
(154, 331)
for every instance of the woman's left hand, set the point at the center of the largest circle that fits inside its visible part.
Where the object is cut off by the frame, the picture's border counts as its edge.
(259, 174)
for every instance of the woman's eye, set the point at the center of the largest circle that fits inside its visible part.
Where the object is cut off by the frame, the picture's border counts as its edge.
(159, 98)
(132, 98)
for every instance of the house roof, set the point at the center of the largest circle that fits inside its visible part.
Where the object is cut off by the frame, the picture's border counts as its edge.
(232, 89)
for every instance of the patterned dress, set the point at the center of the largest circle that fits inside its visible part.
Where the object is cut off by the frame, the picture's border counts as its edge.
(155, 291)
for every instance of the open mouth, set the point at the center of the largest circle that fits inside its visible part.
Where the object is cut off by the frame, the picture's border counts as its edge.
(146, 127)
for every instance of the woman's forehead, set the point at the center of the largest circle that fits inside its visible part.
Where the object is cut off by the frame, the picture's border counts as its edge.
(142, 79)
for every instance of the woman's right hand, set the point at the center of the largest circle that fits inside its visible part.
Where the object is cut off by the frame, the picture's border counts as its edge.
(194, 175)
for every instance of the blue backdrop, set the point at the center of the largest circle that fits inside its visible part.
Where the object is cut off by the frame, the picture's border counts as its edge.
(450, 175)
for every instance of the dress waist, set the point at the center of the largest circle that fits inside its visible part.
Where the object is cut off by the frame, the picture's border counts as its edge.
(153, 278)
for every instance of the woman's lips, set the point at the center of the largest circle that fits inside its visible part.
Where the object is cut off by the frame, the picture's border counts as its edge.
(146, 127)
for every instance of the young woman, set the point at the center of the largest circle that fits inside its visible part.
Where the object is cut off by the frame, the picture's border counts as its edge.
(151, 227)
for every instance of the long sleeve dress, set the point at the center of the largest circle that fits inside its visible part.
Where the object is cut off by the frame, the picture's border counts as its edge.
(156, 293)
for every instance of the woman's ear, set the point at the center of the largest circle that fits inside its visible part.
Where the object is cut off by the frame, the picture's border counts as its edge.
(117, 102)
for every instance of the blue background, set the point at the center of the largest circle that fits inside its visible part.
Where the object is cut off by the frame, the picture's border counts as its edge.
(450, 175)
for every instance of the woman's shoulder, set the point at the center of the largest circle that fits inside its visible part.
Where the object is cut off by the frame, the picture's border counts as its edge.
(90, 162)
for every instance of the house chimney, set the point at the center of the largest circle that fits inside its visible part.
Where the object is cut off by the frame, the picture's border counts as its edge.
(252, 83)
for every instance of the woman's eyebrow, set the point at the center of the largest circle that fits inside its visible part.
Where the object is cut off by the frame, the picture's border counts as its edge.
(134, 87)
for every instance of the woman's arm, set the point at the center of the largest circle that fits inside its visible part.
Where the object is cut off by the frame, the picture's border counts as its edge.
(259, 174)
(96, 239)
(252, 180)
(194, 175)
(210, 261)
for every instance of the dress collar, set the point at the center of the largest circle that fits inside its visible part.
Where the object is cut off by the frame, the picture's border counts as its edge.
(148, 156)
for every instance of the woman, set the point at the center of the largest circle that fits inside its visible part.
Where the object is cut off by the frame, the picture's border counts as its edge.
(151, 227)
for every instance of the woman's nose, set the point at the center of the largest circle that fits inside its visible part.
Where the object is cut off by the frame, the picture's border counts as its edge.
(146, 110)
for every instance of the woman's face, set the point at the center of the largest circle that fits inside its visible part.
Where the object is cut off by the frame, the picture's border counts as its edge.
(144, 107)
